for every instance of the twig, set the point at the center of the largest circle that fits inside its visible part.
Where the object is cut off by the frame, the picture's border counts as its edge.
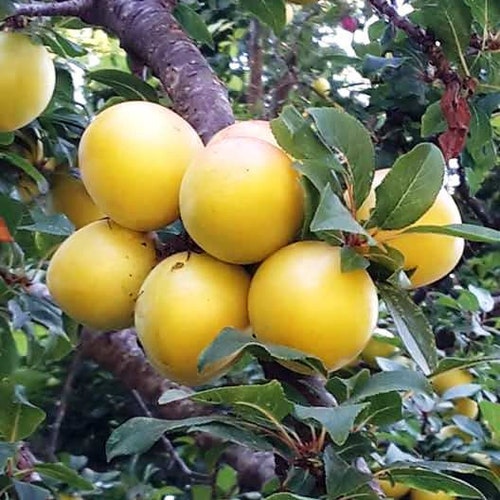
(62, 403)
(255, 92)
(168, 446)
(65, 8)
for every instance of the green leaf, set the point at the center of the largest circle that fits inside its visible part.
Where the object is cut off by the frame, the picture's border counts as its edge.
(7, 450)
(295, 136)
(469, 232)
(485, 12)
(333, 215)
(7, 8)
(269, 397)
(231, 341)
(433, 121)
(193, 24)
(346, 135)
(450, 21)
(350, 260)
(28, 491)
(383, 409)
(337, 421)
(173, 395)
(412, 326)
(19, 162)
(451, 363)
(64, 474)
(6, 138)
(319, 172)
(491, 417)
(57, 224)
(341, 478)
(424, 479)
(61, 45)
(400, 380)
(18, 417)
(138, 434)
(11, 212)
(410, 188)
(9, 357)
(270, 12)
(124, 84)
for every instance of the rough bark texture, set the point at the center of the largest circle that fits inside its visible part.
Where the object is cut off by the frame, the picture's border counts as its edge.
(255, 94)
(149, 32)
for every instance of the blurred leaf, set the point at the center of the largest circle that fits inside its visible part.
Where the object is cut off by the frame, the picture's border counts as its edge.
(60, 45)
(64, 474)
(18, 417)
(433, 122)
(7, 8)
(7, 450)
(231, 341)
(383, 409)
(485, 12)
(6, 138)
(333, 215)
(28, 491)
(469, 426)
(294, 135)
(425, 479)
(56, 225)
(450, 363)
(374, 65)
(9, 357)
(491, 417)
(12, 212)
(346, 135)
(193, 23)
(270, 12)
(124, 84)
(469, 232)
(29, 169)
(400, 380)
(409, 189)
(461, 391)
(412, 326)
(338, 421)
(350, 260)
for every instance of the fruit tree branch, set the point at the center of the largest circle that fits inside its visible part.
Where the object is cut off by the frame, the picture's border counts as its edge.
(255, 92)
(149, 32)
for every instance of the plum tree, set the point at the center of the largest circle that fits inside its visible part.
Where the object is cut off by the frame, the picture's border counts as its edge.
(132, 158)
(241, 200)
(300, 298)
(183, 304)
(27, 80)
(96, 274)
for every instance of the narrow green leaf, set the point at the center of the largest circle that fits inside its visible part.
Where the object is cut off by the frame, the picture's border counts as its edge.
(173, 395)
(451, 363)
(231, 341)
(433, 121)
(19, 162)
(6, 138)
(270, 12)
(193, 23)
(64, 474)
(346, 135)
(410, 188)
(124, 84)
(333, 215)
(337, 421)
(412, 326)
(9, 357)
(429, 480)
(400, 380)
(296, 137)
(469, 232)
(61, 45)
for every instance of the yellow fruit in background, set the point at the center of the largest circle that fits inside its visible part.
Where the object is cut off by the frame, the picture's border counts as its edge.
(377, 348)
(132, 158)
(495, 468)
(321, 86)
(299, 298)
(432, 255)
(259, 129)
(450, 431)
(27, 80)
(183, 305)
(393, 490)
(241, 200)
(428, 495)
(96, 274)
(289, 13)
(467, 407)
(69, 196)
(451, 378)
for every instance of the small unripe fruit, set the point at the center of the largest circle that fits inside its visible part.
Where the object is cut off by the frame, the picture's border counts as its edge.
(300, 298)
(183, 305)
(132, 158)
(321, 86)
(393, 490)
(241, 200)
(27, 80)
(69, 196)
(433, 256)
(449, 379)
(259, 129)
(428, 495)
(96, 274)
(466, 407)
